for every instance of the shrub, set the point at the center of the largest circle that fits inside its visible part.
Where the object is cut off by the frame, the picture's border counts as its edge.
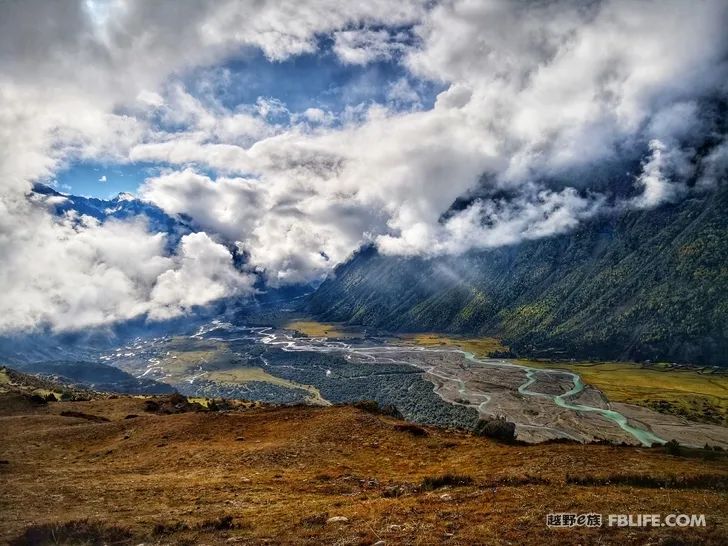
(73, 533)
(315, 520)
(436, 482)
(169, 528)
(414, 430)
(177, 398)
(87, 416)
(673, 447)
(222, 523)
(151, 406)
(372, 406)
(699, 481)
(497, 428)
(37, 399)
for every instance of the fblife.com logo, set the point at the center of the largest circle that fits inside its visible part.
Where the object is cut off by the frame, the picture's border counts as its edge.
(625, 520)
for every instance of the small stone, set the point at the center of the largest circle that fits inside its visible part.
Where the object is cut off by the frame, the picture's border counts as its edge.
(379, 543)
(446, 497)
(240, 439)
(337, 519)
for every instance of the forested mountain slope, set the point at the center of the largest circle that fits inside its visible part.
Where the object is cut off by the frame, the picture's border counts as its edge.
(642, 284)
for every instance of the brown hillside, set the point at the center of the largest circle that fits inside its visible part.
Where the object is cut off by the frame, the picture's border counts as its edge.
(275, 475)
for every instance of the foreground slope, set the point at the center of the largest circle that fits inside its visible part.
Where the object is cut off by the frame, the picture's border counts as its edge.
(111, 469)
(639, 285)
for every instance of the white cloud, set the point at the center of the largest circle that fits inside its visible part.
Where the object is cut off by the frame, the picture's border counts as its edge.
(205, 273)
(535, 92)
(662, 176)
(363, 46)
(73, 272)
(102, 178)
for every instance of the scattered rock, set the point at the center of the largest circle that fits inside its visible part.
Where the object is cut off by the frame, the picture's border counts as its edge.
(131, 416)
(379, 543)
(338, 519)
(240, 439)
(446, 497)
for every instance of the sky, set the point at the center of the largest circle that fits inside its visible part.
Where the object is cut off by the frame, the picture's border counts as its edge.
(294, 132)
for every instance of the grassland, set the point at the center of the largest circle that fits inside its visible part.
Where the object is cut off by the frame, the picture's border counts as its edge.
(480, 346)
(700, 395)
(312, 328)
(276, 475)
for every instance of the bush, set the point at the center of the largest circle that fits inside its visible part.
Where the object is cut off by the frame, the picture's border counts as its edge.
(372, 406)
(673, 447)
(87, 416)
(73, 533)
(414, 430)
(699, 481)
(177, 398)
(436, 482)
(315, 520)
(497, 428)
(151, 406)
(169, 528)
(222, 523)
(37, 399)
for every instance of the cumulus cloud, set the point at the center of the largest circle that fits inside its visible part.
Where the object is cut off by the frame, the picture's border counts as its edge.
(205, 273)
(73, 272)
(363, 46)
(535, 95)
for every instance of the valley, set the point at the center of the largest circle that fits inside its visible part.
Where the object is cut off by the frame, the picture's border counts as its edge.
(429, 379)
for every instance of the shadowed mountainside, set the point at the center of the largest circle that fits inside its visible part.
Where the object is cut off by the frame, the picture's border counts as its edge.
(642, 285)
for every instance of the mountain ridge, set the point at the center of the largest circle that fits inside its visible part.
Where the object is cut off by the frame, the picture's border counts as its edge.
(644, 285)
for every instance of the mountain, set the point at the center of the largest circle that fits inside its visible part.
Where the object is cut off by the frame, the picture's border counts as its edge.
(649, 284)
(94, 375)
(121, 207)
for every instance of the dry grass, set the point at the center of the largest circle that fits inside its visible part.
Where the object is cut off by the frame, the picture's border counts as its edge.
(480, 346)
(312, 328)
(275, 475)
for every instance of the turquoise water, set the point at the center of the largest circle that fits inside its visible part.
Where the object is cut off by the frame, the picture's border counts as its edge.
(645, 437)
